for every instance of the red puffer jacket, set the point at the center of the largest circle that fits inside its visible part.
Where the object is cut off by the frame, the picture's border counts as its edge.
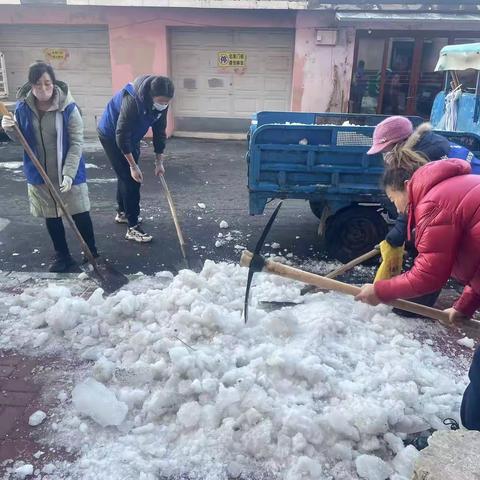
(444, 206)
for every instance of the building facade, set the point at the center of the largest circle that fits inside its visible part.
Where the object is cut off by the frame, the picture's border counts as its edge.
(231, 58)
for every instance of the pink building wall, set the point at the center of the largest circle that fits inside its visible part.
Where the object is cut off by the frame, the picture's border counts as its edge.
(139, 43)
(322, 73)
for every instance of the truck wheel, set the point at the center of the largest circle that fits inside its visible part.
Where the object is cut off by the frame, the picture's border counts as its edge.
(353, 232)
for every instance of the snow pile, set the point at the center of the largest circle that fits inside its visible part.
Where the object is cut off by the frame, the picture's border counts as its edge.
(327, 389)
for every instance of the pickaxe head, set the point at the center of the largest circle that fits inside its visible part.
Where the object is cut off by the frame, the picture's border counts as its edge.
(257, 262)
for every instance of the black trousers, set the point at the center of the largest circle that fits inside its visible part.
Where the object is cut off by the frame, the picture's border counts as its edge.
(128, 190)
(470, 409)
(57, 232)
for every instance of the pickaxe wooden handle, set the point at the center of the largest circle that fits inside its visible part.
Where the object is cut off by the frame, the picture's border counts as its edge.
(329, 284)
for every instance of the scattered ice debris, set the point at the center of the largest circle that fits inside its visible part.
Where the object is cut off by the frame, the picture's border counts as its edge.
(37, 418)
(96, 401)
(467, 342)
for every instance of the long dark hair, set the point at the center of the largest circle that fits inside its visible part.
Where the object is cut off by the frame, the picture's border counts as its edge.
(37, 69)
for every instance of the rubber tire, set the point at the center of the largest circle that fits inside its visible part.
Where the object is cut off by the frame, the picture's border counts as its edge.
(317, 208)
(353, 232)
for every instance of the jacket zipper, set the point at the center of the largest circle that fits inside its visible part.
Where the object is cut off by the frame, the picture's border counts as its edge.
(45, 162)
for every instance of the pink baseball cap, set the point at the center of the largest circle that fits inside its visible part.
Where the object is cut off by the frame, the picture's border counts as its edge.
(389, 132)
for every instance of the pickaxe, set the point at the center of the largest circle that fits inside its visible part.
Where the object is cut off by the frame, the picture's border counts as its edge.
(256, 263)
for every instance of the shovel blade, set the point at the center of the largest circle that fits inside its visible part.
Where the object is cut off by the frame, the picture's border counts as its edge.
(108, 277)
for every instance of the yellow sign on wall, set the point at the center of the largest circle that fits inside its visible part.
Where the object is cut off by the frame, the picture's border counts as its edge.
(231, 59)
(56, 54)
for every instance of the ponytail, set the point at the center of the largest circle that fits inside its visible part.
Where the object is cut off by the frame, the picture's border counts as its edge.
(401, 163)
(402, 156)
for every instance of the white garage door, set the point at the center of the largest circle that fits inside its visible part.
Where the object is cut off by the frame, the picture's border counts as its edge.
(214, 98)
(79, 55)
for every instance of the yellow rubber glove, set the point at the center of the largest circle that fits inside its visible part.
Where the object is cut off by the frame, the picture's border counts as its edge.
(392, 261)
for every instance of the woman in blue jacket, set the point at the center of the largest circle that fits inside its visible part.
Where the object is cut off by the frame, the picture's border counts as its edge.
(139, 106)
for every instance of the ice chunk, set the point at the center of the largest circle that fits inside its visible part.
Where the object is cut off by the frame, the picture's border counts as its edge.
(467, 342)
(96, 401)
(24, 471)
(189, 414)
(404, 462)
(372, 468)
(223, 224)
(37, 418)
(103, 369)
(202, 206)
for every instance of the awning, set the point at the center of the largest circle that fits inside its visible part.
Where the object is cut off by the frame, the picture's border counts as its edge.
(434, 20)
(459, 57)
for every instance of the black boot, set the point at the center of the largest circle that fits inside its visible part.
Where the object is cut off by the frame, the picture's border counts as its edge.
(61, 263)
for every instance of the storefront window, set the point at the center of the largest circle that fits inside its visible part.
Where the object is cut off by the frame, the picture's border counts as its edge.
(429, 82)
(395, 74)
(366, 76)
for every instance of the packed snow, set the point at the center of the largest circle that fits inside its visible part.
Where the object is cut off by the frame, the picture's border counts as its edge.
(175, 385)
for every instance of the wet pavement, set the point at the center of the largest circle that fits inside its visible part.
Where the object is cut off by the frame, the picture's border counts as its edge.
(209, 172)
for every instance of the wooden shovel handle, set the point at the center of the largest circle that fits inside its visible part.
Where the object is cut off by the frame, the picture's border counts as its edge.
(334, 285)
(51, 188)
(173, 211)
(353, 263)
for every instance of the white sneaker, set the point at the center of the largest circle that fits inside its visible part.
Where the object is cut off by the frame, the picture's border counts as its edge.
(121, 218)
(137, 234)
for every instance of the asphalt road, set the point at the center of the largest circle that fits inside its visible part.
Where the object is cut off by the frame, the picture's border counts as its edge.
(206, 172)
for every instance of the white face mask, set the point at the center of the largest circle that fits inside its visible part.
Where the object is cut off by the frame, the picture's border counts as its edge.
(160, 106)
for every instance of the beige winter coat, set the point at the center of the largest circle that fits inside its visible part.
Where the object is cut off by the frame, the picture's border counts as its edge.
(42, 203)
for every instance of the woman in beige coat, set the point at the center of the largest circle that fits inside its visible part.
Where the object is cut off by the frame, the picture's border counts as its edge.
(52, 125)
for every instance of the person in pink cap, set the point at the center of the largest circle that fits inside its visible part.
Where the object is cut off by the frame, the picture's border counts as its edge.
(397, 131)
(389, 133)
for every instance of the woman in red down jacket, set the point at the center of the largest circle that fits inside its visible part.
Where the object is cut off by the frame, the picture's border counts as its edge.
(442, 201)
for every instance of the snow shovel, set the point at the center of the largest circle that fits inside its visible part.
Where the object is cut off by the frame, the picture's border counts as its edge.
(103, 273)
(256, 263)
(173, 211)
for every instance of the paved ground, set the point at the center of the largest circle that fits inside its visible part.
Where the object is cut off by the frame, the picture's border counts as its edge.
(27, 385)
(198, 171)
(209, 172)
